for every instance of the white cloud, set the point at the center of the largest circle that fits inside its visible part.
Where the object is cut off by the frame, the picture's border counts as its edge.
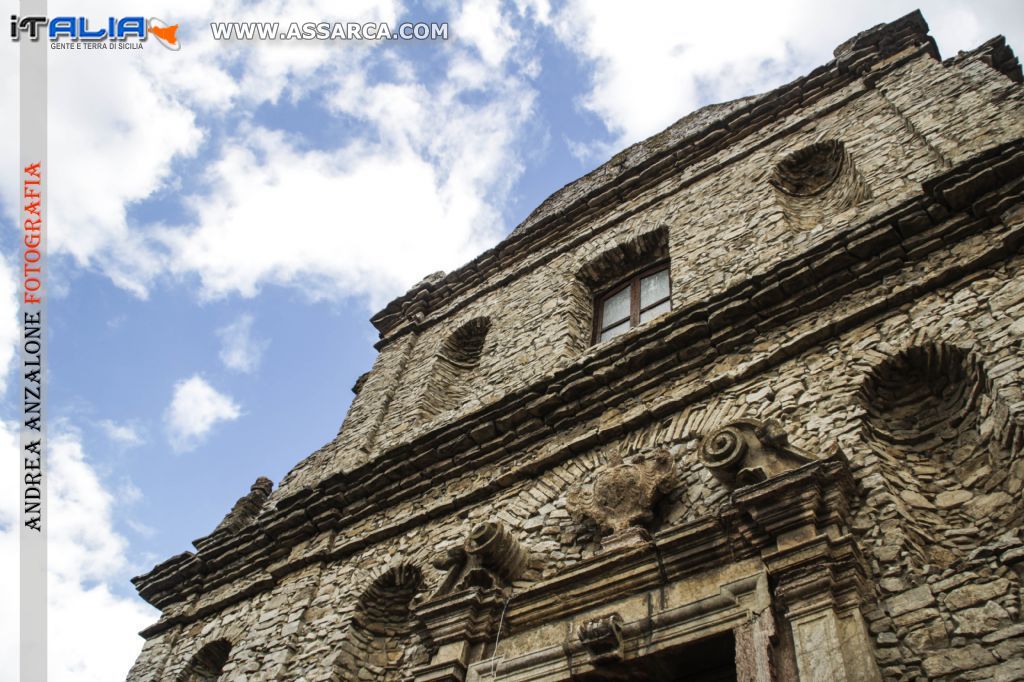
(128, 493)
(196, 407)
(113, 136)
(92, 630)
(10, 330)
(143, 530)
(239, 350)
(417, 186)
(483, 24)
(654, 65)
(419, 190)
(127, 435)
(423, 173)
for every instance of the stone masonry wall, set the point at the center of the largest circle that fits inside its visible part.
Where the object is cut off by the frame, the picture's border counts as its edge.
(946, 615)
(908, 357)
(919, 120)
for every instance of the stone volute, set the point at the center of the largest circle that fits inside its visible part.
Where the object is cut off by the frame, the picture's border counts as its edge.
(746, 451)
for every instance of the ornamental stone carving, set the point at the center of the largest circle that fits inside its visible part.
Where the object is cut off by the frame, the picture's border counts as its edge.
(621, 500)
(496, 550)
(247, 508)
(602, 638)
(491, 557)
(747, 451)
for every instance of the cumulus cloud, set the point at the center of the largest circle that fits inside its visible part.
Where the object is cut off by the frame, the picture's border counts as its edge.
(196, 407)
(416, 188)
(10, 331)
(114, 135)
(416, 184)
(126, 435)
(92, 630)
(240, 350)
(419, 179)
(652, 66)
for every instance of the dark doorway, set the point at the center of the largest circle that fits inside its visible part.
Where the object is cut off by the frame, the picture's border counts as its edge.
(710, 660)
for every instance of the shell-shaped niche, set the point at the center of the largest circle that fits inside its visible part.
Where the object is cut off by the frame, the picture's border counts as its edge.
(933, 420)
(383, 640)
(817, 182)
(454, 368)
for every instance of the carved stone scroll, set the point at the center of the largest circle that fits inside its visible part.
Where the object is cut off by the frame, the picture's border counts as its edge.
(747, 451)
(496, 550)
(490, 558)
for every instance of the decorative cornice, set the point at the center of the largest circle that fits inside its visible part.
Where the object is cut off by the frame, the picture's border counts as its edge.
(647, 164)
(965, 201)
(689, 337)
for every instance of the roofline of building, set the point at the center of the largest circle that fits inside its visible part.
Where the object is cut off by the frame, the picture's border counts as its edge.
(645, 164)
(855, 259)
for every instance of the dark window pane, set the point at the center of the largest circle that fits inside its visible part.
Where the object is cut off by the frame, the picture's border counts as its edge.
(653, 288)
(615, 331)
(616, 308)
(652, 313)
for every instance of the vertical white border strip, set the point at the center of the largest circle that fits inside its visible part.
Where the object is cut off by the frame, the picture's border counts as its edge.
(32, 293)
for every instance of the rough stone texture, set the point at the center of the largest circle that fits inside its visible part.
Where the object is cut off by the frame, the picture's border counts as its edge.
(813, 463)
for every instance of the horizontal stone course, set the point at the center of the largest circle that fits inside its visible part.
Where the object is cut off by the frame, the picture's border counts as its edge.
(880, 330)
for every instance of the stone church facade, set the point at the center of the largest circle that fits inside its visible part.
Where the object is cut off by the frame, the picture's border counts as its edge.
(744, 403)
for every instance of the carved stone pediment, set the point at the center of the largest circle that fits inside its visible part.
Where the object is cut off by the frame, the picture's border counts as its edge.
(747, 451)
(622, 497)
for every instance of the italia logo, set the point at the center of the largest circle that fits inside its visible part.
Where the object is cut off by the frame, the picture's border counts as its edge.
(82, 29)
(166, 35)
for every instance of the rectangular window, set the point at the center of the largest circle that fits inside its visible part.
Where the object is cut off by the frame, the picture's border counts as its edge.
(634, 301)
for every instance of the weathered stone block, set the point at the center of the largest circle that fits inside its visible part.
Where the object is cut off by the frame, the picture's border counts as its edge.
(962, 659)
(912, 600)
(970, 595)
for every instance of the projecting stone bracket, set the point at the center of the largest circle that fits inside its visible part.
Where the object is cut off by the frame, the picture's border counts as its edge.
(799, 520)
(466, 610)
(602, 638)
(457, 623)
(490, 558)
(747, 451)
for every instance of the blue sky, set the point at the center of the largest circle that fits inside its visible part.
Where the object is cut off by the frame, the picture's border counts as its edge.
(225, 219)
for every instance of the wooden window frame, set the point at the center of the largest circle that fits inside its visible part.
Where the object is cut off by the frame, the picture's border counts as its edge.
(633, 283)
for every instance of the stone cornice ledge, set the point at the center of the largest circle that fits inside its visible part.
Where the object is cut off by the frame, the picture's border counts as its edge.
(855, 59)
(956, 205)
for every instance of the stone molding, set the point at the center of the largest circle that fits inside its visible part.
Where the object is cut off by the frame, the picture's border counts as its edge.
(793, 554)
(802, 563)
(317, 510)
(853, 59)
(979, 191)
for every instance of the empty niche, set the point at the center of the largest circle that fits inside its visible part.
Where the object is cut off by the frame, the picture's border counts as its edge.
(383, 639)
(931, 419)
(208, 663)
(816, 182)
(454, 368)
